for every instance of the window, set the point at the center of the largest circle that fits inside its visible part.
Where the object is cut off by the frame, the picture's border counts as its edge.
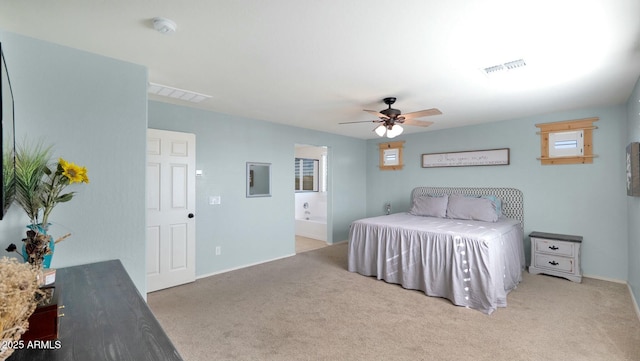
(391, 155)
(567, 142)
(306, 175)
(324, 177)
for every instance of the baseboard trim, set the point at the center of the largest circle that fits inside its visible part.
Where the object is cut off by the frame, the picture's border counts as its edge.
(606, 279)
(241, 267)
(635, 302)
(257, 263)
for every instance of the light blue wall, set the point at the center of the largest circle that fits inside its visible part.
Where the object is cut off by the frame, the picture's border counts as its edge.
(587, 200)
(253, 230)
(633, 203)
(93, 109)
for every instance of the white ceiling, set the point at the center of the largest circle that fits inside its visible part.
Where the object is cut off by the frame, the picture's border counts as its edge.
(314, 64)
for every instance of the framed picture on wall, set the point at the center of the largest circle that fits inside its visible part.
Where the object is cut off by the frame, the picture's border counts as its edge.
(633, 169)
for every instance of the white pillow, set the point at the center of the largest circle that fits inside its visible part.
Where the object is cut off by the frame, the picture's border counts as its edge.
(430, 206)
(471, 208)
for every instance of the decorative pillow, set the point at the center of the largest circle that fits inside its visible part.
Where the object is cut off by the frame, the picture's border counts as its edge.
(472, 208)
(497, 203)
(430, 206)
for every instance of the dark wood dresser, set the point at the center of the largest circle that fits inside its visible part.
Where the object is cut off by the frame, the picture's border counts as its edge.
(105, 318)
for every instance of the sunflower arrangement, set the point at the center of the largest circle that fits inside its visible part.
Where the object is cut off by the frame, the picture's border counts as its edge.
(66, 173)
(40, 186)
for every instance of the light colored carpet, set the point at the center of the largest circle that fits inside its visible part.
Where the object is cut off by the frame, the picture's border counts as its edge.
(309, 307)
(304, 244)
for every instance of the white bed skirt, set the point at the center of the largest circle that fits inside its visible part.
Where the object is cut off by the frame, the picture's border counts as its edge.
(473, 264)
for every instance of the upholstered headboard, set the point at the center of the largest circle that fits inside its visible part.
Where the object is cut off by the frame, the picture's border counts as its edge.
(512, 200)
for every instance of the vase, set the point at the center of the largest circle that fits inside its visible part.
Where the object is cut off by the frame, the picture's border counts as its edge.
(41, 258)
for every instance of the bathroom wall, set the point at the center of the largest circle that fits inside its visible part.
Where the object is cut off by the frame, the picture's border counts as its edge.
(317, 200)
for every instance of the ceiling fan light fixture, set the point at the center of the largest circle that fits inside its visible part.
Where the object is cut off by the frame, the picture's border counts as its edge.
(389, 119)
(394, 131)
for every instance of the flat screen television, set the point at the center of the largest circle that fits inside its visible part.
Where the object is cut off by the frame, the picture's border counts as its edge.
(7, 137)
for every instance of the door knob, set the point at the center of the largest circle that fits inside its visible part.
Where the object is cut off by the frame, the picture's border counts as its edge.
(191, 215)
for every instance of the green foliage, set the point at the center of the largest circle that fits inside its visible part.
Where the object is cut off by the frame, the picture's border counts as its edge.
(8, 180)
(31, 166)
(39, 181)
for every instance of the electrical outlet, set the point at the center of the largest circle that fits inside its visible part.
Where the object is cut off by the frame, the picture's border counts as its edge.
(218, 250)
(214, 200)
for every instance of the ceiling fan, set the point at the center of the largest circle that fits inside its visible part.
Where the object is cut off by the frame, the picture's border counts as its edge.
(390, 119)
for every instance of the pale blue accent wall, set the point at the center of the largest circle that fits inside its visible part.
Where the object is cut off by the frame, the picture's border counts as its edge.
(253, 230)
(587, 200)
(633, 203)
(93, 110)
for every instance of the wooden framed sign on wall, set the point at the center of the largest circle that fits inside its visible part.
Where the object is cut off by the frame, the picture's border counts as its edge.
(466, 158)
(633, 169)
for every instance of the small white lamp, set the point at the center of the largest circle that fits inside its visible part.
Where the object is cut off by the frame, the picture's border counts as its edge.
(395, 130)
(380, 130)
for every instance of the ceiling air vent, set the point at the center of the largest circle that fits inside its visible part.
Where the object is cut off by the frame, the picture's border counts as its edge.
(501, 68)
(515, 64)
(176, 93)
(493, 69)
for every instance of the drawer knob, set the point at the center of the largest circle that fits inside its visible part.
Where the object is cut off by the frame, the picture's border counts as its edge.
(553, 263)
(553, 247)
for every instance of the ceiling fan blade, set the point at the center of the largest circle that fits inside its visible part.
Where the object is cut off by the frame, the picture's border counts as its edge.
(377, 114)
(422, 113)
(419, 123)
(362, 121)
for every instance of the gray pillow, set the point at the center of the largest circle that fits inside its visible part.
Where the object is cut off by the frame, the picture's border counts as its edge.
(429, 206)
(478, 209)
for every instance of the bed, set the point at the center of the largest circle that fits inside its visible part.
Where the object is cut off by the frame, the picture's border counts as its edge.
(473, 262)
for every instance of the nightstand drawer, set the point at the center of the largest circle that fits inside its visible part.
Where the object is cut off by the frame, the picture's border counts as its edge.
(554, 263)
(554, 247)
(556, 254)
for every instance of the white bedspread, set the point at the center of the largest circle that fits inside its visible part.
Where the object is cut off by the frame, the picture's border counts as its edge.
(471, 263)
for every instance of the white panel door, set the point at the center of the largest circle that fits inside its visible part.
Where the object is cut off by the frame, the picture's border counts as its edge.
(171, 196)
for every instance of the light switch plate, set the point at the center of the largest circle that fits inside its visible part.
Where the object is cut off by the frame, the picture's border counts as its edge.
(214, 200)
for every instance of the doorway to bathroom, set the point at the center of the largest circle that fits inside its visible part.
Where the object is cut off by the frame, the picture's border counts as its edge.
(311, 196)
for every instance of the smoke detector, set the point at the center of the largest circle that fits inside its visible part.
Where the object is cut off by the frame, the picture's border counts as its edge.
(163, 25)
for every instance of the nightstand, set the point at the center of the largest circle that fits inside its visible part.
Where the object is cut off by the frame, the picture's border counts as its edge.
(44, 322)
(556, 254)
